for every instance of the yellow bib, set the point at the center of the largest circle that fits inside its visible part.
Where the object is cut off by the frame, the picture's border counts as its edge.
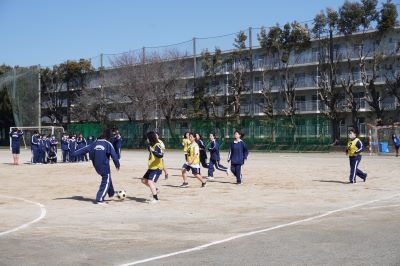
(185, 144)
(352, 148)
(155, 162)
(191, 153)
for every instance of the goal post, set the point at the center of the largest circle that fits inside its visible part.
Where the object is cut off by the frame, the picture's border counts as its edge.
(57, 131)
(380, 138)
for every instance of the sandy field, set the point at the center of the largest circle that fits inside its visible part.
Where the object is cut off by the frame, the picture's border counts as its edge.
(293, 209)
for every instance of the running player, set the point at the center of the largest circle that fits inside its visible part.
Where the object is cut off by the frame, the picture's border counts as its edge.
(215, 158)
(396, 143)
(16, 136)
(163, 151)
(155, 165)
(192, 163)
(185, 144)
(354, 150)
(237, 155)
(203, 153)
(100, 152)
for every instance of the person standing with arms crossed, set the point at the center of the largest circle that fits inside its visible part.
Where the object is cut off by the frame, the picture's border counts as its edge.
(237, 155)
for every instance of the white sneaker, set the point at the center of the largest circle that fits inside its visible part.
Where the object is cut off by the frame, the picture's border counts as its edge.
(228, 172)
(101, 203)
(153, 201)
(210, 178)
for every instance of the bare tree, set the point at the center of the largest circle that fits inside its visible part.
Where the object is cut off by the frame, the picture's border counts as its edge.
(167, 86)
(206, 100)
(240, 63)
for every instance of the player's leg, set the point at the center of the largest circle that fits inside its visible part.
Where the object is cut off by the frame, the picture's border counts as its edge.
(220, 167)
(211, 169)
(110, 190)
(184, 175)
(105, 180)
(353, 169)
(196, 173)
(165, 170)
(360, 173)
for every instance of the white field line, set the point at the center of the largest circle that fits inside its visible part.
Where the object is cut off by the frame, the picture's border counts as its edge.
(42, 215)
(201, 247)
(380, 207)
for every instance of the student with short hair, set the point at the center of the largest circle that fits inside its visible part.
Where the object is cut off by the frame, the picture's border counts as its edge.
(354, 150)
(16, 136)
(237, 155)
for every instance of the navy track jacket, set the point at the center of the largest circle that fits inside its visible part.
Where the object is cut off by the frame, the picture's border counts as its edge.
(100, 152)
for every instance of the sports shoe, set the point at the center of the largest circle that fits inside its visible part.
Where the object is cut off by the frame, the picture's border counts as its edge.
(101, 203)
(238, 183)
(365, 179)
(210, 178)
(204, 184)
(153, 201)
(228, 172)
(166, 176)
(184, 184)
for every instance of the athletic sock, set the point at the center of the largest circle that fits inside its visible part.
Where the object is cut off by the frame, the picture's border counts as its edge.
(155, 197)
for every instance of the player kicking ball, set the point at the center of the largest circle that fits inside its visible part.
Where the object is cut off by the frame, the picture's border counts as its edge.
(193, 162)
(100, 152)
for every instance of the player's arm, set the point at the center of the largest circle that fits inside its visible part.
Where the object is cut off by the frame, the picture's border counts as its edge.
(230, 153)
(245, 150)
(157, 152)
(360, 147)
(81, 151)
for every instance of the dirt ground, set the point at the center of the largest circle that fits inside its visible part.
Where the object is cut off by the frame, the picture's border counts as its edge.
(297, 208)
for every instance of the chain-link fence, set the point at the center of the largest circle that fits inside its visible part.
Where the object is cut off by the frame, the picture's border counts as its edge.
(306, 134)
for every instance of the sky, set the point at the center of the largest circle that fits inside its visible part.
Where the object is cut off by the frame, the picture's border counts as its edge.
(49, 32)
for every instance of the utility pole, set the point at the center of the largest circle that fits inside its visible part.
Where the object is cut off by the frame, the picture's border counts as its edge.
(194, 59)
(39, 100)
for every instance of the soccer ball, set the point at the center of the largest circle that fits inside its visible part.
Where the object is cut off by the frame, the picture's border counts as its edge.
(121, 194)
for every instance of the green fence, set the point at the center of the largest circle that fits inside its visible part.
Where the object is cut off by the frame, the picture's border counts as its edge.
(307, 134)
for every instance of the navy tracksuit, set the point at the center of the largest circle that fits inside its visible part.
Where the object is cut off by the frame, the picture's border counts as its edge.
(214, 159)
(42, 150)
(16, 141)
(100, 152)
(35, 148)
(237, 155)
(117, 144)
(355, 159)
(203, 153)
(80, 143)
(65, 149)
(72, 149)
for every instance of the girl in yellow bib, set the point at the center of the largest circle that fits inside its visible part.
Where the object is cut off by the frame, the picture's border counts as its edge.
(155, 165)
(354, 150)
(185, 144)
(192, 162)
